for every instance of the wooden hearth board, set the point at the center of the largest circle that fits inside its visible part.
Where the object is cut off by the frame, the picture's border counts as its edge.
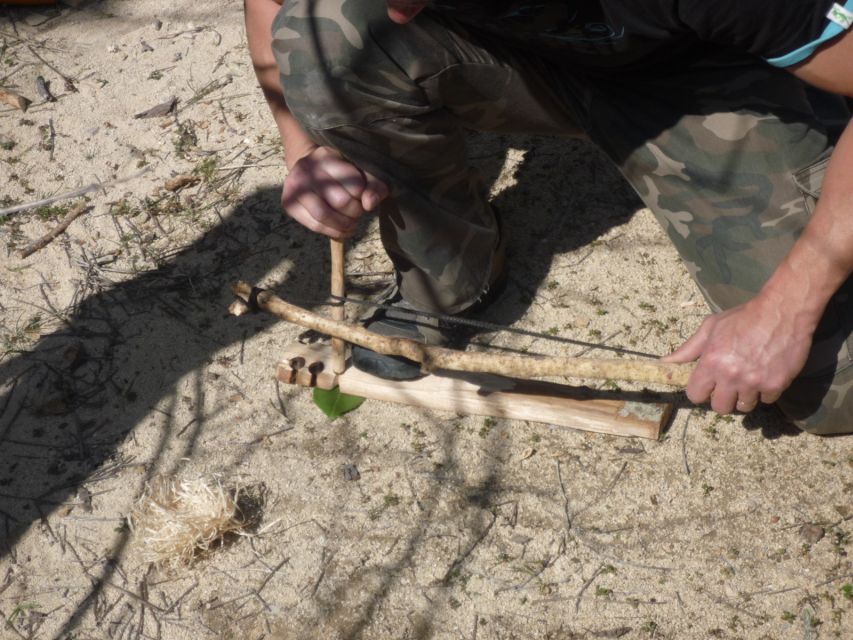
(481, 394)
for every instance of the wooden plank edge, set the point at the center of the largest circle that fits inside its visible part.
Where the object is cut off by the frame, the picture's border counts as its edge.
(482, 394)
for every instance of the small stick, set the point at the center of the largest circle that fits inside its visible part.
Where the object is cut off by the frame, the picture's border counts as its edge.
(339, 347)
(51, 235)
(95, 186)
(69, 83)
(432, 358)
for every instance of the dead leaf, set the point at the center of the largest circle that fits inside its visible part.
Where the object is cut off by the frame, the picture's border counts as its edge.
(15, 100)
(160, 110)
(181, 181)
(812, 533)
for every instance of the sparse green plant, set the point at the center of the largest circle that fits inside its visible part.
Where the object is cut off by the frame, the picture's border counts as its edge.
(52, 212)
(391, 500)
(185, 140)
(22, 335)
(488, 425)
(206, 169)
(21, 610)
(650, 627)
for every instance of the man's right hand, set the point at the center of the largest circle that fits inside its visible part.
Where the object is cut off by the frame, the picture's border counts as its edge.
(327, 194)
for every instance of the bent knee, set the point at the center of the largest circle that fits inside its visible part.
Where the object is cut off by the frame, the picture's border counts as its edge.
(334, 68)
(821, 405)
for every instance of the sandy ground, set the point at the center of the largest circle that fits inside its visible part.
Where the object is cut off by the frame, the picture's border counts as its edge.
(119, 363)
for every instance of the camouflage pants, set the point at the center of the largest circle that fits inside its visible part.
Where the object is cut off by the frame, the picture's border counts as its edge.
(727, 153)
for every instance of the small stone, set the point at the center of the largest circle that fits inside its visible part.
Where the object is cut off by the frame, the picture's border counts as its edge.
(84, 497)
(774, 519)
(527, 453)
(581, 321)
(113, 48)
(73, 356)
(158, 24)
(812, 533)
(351, 472)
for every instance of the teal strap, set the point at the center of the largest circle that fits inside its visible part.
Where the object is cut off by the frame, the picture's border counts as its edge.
(832, 30)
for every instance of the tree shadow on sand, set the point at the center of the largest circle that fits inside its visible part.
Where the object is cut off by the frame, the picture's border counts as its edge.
(69, 402)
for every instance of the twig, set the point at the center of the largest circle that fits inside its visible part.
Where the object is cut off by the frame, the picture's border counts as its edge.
(180, 598)
(69, 84)
(134, 596)
(456, 564)
(604, 493)
(326, 561)
(684, 444)
(51, 235)
(586, 586)
(565, 498)
(70, 194)
(51, 143)
(730, 605)
(8, 625)
(273, 571)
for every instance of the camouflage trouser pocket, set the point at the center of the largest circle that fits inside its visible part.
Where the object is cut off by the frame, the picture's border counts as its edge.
(809, 180)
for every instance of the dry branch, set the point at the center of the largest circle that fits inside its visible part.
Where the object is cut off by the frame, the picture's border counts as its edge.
(76, 193)
(51, 235)
(432, 358)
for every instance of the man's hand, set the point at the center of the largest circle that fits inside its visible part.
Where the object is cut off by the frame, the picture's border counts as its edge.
(327, 194)
(747, 354)
(323, 191)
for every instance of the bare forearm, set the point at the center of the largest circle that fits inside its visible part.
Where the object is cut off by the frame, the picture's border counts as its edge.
(822, 258)
(259, 18)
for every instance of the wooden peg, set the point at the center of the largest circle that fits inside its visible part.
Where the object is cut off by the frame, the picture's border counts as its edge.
(339, 353)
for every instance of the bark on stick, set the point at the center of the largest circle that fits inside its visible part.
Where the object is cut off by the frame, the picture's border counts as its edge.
(432, 358)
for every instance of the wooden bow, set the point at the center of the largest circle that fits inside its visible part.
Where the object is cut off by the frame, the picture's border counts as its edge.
(432, 358)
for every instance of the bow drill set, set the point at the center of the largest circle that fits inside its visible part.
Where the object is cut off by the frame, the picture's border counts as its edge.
(499, 385)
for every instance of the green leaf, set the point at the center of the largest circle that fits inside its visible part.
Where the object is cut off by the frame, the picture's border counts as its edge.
(334, 403)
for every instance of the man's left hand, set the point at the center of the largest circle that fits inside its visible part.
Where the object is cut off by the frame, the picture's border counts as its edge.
(747, 354)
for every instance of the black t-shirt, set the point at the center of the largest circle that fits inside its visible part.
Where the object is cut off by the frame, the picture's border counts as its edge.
(624, 34)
